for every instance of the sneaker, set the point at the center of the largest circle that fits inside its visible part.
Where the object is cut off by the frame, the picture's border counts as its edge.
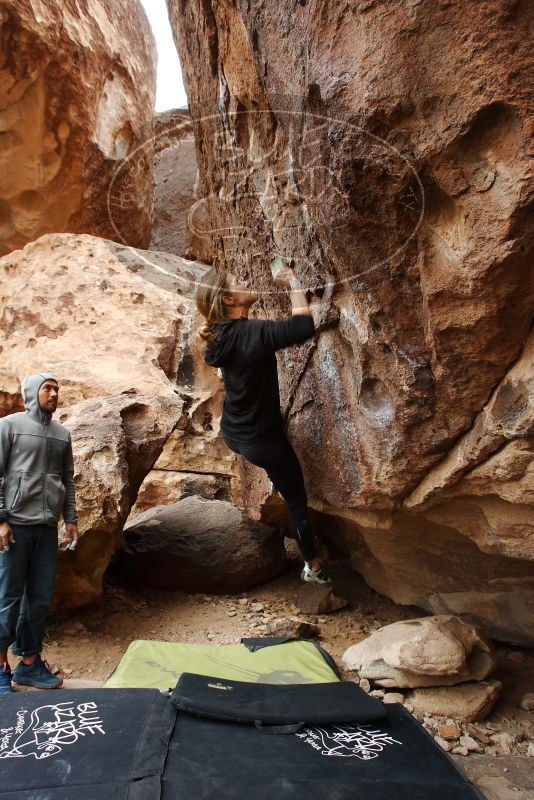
(6, 677)
(311, 575)
(37, 674)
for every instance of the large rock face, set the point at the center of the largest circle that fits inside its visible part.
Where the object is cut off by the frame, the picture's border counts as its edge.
(77, 92)
(195, 460)
(109, 322)
(179, 218)
(384, 149)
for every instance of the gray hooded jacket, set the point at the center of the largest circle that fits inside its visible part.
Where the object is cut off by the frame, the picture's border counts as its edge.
(36, 464)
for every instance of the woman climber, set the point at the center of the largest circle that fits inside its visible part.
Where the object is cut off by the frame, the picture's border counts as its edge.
(251, 422)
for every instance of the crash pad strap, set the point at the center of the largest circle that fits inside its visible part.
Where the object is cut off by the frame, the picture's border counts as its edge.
(253, 644)
(157, 730)
(239, 701)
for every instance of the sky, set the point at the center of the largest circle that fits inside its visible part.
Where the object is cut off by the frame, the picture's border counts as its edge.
(170, 91)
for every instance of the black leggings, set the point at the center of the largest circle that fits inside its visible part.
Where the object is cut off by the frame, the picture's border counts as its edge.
(277, 457)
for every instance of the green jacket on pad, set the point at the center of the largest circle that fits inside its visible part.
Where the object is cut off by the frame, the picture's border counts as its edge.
(36, 464)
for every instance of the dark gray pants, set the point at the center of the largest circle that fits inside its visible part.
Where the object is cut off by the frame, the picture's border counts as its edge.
(27, 573)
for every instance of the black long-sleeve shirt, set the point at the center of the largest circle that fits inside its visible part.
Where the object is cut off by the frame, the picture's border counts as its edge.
(244, 349)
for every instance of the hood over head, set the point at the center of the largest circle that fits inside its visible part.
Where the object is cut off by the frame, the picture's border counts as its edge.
(221, 346)
(30, 394)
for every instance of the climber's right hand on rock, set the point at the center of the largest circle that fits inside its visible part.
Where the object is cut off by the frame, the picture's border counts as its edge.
(283, 275)
(6, 536)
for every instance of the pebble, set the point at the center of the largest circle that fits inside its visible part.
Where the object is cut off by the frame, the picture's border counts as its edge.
(393, 697)
(530, 750)
(365, 685)
(408, 707)
(460, 751)
(449, 731)
(442, 743)
(471, 744)
(504, 741)
(479, 733)
(231, 613)
(257, 607)
(377, 693)
(243, 601)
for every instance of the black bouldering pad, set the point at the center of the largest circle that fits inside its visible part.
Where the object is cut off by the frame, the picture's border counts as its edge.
(388, 758)
(102, 739)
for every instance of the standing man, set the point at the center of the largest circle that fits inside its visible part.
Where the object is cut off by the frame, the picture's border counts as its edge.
(36, 488)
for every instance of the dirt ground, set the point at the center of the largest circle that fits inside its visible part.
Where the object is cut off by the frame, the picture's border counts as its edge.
(89, 645)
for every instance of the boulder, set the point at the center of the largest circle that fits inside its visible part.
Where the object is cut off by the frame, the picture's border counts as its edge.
(78, 85)
(469, 701)
(199, 545)
(195, 459)
(116, 441)
(110, 323)
(432, 651)
(401, 202)
(163, 487)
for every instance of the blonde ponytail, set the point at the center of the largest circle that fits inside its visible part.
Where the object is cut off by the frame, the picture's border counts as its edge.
(209, 301)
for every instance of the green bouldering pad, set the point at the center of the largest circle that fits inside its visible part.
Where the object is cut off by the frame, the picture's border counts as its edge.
(158, 665)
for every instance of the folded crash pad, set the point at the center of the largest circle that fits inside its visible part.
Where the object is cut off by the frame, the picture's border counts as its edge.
(159, 665)
(222, 754)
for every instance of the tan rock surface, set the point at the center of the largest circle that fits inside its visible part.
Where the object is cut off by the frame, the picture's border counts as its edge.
(469, 701)
(195, 459)
(384, 149)
(431, 651)
(175, 175)
(77, 92)
(109, 322)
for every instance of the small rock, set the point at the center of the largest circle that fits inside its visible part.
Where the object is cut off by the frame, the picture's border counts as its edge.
(472, 745)
(391, 697)
(312, 598)
(530, 749)
(243, 601)
(322, 620)
(67, 671)
(257, 607)
(479, 733)
(294, 628)
(504, 741)
(443, 744)
(377, 693)
(468, 701)
(365, 685)
(231, 613)
(75, 628)
(449, 731)
(460, 751)
(408, 707)
(527, 702)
